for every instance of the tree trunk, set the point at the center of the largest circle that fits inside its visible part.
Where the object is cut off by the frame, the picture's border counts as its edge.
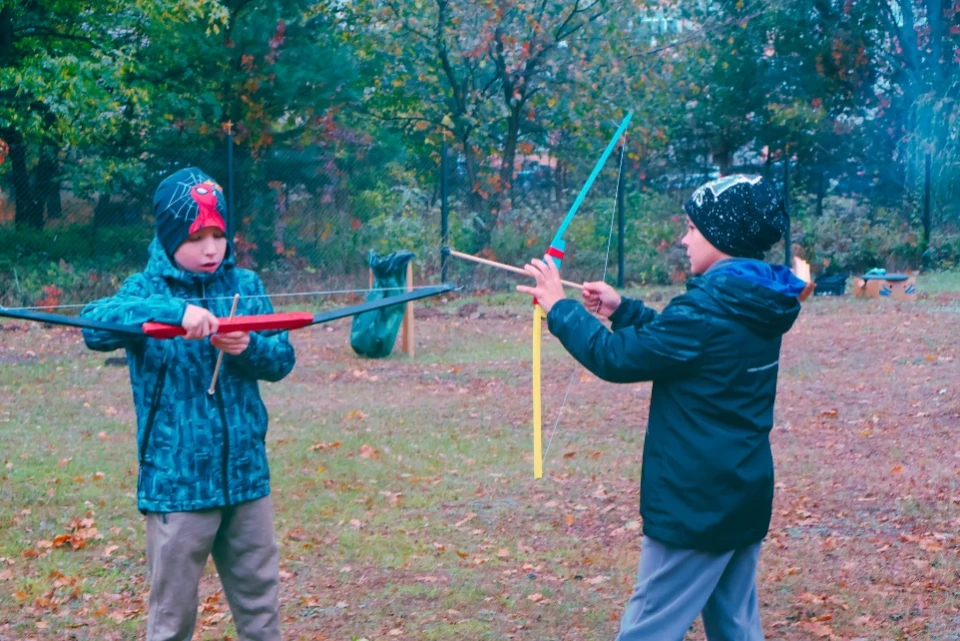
(107, 213)
(6, 34)
(509, 155)
(473, 199)
(29, 211)
(558, 181)
(820, 191)
(47, 183)
(935, 20)
(723, 157)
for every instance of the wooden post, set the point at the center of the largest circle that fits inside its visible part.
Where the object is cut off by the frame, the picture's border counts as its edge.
(407, 327)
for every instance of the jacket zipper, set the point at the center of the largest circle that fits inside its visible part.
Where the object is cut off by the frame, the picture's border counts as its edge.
(151, 418)
(225, 463)
(226, 446)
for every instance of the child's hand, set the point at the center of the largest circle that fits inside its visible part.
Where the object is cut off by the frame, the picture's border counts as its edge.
(549, 289)
(199, 322)
(600, 298)
(233, 343)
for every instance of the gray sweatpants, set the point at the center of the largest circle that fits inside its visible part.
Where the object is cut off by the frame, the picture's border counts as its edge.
(674, 585)
(240, 538)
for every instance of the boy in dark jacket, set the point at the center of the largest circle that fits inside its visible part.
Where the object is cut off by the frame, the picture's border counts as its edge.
(706, 492)
(203, 484)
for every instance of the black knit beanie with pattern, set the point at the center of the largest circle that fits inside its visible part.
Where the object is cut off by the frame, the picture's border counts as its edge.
(740, 215)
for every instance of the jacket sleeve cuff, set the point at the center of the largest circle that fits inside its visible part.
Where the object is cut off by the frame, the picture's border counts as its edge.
(248, 355)
(628, 309)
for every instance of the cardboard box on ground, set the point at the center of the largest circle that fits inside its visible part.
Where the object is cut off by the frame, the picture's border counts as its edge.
(878, 285)
(893, 286)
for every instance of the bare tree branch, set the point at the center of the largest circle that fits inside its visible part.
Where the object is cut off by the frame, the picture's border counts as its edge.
(46, 32)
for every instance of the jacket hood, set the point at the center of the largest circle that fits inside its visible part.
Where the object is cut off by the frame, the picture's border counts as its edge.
(761, 296)
(162, 265)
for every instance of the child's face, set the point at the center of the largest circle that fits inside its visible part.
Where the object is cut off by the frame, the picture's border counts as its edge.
(701, 253)
(202, 251)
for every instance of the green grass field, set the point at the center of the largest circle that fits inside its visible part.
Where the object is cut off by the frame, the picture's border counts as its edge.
(406, 507)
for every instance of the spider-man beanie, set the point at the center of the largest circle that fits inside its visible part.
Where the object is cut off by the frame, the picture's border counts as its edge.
(742, 216)
(187, 201)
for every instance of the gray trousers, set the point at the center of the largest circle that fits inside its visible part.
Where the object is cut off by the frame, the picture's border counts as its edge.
(240, 538)
(675, 585)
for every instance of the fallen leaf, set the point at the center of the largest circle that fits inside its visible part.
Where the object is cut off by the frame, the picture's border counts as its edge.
(297, 534)
(819, 629)
(536, 597)
(469, 517)
(930, 545)
(214, 619)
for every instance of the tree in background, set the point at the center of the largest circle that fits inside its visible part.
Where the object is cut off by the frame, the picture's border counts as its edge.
(490, 76)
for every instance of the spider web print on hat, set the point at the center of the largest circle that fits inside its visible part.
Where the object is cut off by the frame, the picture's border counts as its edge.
(182, 202)
(185, 202)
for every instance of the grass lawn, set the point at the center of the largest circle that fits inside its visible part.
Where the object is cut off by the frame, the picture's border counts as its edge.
(406, 507)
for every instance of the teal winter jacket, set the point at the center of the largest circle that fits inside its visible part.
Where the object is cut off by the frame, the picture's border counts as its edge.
(195, 450)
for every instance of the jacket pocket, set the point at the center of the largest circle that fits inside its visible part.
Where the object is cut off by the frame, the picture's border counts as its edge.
(152, 413)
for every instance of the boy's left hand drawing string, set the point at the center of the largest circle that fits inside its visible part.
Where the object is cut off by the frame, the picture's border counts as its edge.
(259, 323)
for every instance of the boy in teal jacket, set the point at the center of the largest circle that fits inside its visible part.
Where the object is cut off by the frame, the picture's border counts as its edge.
(706, 492)
(203, 483)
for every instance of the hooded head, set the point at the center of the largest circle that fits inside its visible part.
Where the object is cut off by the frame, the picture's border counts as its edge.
(741, 216)
(186, 202)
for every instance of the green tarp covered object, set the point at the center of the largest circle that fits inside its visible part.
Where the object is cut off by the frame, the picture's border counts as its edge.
(374, 333)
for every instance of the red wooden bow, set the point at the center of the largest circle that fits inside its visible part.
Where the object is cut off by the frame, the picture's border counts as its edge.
(261, 323)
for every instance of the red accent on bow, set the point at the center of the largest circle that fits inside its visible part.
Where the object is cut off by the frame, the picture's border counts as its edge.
(263, 322)
(555, 253)
(205, 195)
